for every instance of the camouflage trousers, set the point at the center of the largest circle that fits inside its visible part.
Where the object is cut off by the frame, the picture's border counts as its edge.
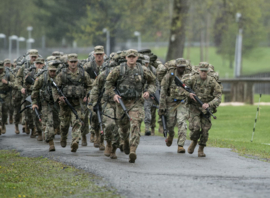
(109, 124)
(10, 105)
(50, 119)
(177, 112)
(17, 100)
(67, 117)
(150, 114)
(85, 127)
(198, 125)
(3, 109)
(130, 128)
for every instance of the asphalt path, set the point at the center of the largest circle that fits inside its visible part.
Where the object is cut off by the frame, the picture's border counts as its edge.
(159, 171)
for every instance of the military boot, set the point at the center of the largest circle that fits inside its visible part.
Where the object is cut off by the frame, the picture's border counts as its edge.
(33, 133)
(52, 148)
(23, 128)
(63, 142)
(181, 149)
(3, 131)
(132, 155)
(126, 147)
(113, 155)
(200, 151)
(101, 144)
(17, 131)
(96, 142)
(74, 146)
(10, 119)
(108, 148)
(92, 137)
(43, 135)
(169, 141)
(121, 147)
(39, 138)
(84, 141)
(160, 129)
(0, 130)
(57, 131)
(147, 129)
(27, 130)
(153, 131)
(192, 146)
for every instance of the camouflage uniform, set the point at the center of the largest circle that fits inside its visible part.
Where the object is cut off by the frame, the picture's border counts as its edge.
(130, 83)
(208, 91)
(17, 99)
(5, 90)
(75, 86)
(173, 102)
(50, 110)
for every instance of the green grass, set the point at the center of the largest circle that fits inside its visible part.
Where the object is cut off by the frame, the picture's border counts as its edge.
(256, 62)
(40, 177)
(233, 129)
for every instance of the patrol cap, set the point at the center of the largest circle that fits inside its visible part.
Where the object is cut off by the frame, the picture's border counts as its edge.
(204, 67)
(49, 58)
(6, 61)
(180, 62)
(15, 60)
(132, 52)
(1, 64)
(56, 53)
(146, 59)
(99, 49)
(61, 53)
(52, 66)
(72, 57)
(33, 52)
(40, 60)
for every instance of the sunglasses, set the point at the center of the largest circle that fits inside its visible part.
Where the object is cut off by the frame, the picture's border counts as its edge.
(73, 61)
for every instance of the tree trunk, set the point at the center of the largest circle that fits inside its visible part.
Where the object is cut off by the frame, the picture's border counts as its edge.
(177, 35)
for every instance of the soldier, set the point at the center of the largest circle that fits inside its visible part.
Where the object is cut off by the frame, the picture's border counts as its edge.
(109, 112)
(7, 65)
(7, 82)
(149, 104)
(56, 54)
(209, 92)
(173, 101)
(75, 83)
(50, 110)
(33, 54)
(93, 68)
(129, 79)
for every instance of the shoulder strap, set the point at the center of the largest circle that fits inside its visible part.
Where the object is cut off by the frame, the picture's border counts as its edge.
(140, 69)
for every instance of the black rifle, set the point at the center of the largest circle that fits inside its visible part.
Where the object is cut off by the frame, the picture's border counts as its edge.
(156, 97)
(28, 99)
(30, 80)
(179, 83)
(66, 100)
(97, 108)
(122, 103)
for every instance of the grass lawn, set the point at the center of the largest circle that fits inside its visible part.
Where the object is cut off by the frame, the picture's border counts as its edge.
(233, 129)
(40, 177)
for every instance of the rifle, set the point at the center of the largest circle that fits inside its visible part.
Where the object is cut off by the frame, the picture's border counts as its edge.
(122, 103)
(66, 101)
(28, 99)
(98, 110)
(156, 97)
(179, 83)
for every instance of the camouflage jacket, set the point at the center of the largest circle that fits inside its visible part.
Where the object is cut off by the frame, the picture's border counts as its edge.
(6, 88)
(93, 66)
(114, 76)
(208, 90)
(19, 81)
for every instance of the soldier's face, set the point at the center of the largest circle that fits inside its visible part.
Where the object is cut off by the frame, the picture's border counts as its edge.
(73, 64)
(99, 57)
(181, 69)
(39, 65)
(7, 64)
(131, 60)
(203, 74)
(146, 64)
(33, 58)
(52, 73)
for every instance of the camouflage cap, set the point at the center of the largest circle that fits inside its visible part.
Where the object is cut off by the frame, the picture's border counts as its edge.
(49, 58)
(40, 60)
(204, 66)
(15, 60)
(61, 53)
(1, 64)
(7, 61)
(72, 57)
(33, 52)
(180, 62)
(112, 54)
(211, 67)
(146, 59)
(132, 52)
(99, 49)
(52, 66)
(56, 53)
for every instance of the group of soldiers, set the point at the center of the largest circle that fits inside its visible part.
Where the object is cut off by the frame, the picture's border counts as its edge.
(113, 94)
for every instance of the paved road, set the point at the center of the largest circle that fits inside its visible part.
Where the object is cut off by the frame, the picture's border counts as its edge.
(159, 171)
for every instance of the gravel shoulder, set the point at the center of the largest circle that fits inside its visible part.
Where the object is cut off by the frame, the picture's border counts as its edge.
(159, 171)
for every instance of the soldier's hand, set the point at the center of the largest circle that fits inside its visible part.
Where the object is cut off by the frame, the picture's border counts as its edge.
(34, 106)
(115, 98)
(84, 99)
(191, 95)
(23, 90)
(146, 95)
(205, 106)
(4, 81)
(61, 100)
